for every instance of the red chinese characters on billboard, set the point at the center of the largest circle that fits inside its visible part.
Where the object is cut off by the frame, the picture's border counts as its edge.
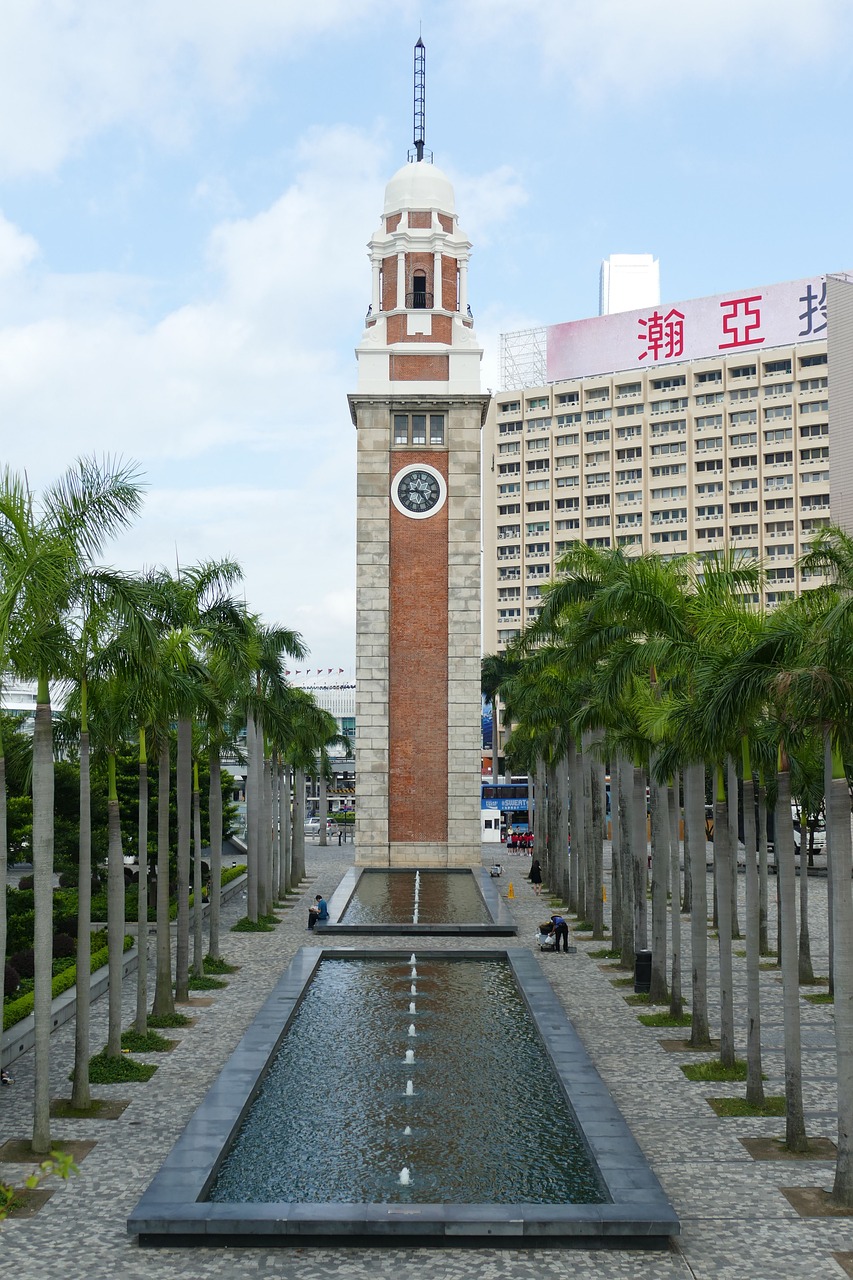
(774, 316)
(663, 336)
(741, 322)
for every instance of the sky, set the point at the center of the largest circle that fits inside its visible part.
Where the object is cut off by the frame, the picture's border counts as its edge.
(187, 190)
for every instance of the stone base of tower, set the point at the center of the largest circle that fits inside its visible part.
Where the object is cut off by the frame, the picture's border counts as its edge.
(428, 856)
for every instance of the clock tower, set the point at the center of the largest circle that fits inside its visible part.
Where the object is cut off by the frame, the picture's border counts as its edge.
(418, 412)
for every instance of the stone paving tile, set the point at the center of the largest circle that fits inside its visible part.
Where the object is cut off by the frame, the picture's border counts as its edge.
(737, 1225)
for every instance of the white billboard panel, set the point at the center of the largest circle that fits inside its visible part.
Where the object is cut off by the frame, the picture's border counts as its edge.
(775, 316)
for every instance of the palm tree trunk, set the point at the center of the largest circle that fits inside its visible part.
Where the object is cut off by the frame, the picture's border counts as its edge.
(287, 822)
(324, 807)
(184, 805)
(838, 823)
(576, 794)
(540, 814)
(658, 993)
(198, 883)
(43, 784)
(754, 1086)
(615, 861)
(804, 963)
(164, 998)
(641, 859)
(596, 769)
(275, 829)
(215, 818)
(795, 1125)
(81, 1095)
(732, 811)
(561, 827)
(687, 899)
(252, 817)
(830, 861)
(298, 855)
(265, 834)
(584, 871)
(694, 828)
(763, 940)
(723, 863)
(550, 865)
(140, 1024)
(625, 808)
(115, 911)
(281, 882)
(676, 998)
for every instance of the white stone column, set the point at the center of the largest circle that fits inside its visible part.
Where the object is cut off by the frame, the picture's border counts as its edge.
(463, 286)
(376, 297)
(437, 291)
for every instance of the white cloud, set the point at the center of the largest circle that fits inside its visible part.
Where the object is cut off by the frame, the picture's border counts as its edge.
(250, 379)
(488, 200)
(626, 48)
(17, 250)
(70, 69)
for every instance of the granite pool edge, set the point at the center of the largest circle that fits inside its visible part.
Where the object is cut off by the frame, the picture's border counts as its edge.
(172, 1211)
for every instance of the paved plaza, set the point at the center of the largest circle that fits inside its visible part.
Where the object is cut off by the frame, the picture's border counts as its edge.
(736, 1223)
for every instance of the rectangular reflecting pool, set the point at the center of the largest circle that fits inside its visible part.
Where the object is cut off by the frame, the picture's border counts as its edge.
(417, 1096)
(462, 902)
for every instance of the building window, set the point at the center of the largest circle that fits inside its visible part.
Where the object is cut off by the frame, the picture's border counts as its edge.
(411, 429)
(670, 469)
(542, 505)
(809, 362)
(744, 371)
(709, 375)
(777, 366)
(510, 406)
(669, 384)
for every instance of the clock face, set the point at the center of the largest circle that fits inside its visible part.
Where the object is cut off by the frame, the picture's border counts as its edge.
(418, 491)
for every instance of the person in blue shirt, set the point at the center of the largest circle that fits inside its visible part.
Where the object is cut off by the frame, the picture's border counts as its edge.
(319, 911)
(560, 929)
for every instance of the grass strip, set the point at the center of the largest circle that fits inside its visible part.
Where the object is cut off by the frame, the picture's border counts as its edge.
(665, 1019)
(205, 983)
(152, 1042)
(166, 1020)
(218, 965)
(820, 997)
(715, 1070)
(772, 1106)
(105, 1069)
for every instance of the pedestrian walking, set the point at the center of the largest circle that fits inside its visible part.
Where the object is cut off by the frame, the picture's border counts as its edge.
(535, 877)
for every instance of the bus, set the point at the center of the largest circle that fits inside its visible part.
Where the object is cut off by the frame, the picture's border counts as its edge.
(502, 805)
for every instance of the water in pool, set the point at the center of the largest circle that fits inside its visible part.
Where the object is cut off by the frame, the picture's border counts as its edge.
(410, 1080)
(423, 897)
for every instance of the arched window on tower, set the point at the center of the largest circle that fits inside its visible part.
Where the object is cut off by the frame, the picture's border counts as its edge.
(419, 296)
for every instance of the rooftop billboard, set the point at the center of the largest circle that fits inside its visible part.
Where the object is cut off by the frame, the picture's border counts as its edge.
(775, 316)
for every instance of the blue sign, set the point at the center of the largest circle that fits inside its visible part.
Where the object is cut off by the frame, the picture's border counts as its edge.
(504, 805)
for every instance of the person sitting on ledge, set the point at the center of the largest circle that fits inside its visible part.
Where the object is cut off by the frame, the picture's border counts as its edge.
(318, 912)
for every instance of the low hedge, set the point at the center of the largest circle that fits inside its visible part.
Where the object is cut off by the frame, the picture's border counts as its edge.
(15, 1010)
(229, 874)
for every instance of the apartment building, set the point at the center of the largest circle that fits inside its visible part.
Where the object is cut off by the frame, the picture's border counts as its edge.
(679, 429)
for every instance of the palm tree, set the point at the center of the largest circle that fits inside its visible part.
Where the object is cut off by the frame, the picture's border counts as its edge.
(44, 551)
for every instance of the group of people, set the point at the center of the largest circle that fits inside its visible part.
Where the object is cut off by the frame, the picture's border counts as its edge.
(517, 841)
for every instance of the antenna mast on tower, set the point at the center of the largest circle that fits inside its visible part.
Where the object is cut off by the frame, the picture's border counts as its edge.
(420, 99)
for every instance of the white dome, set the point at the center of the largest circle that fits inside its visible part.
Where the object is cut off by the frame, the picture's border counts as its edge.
(419, 186)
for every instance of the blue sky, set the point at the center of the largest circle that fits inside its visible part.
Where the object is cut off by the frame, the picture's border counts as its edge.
(187, 189)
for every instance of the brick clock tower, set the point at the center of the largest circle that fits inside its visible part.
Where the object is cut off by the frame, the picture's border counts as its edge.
(418, 412)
